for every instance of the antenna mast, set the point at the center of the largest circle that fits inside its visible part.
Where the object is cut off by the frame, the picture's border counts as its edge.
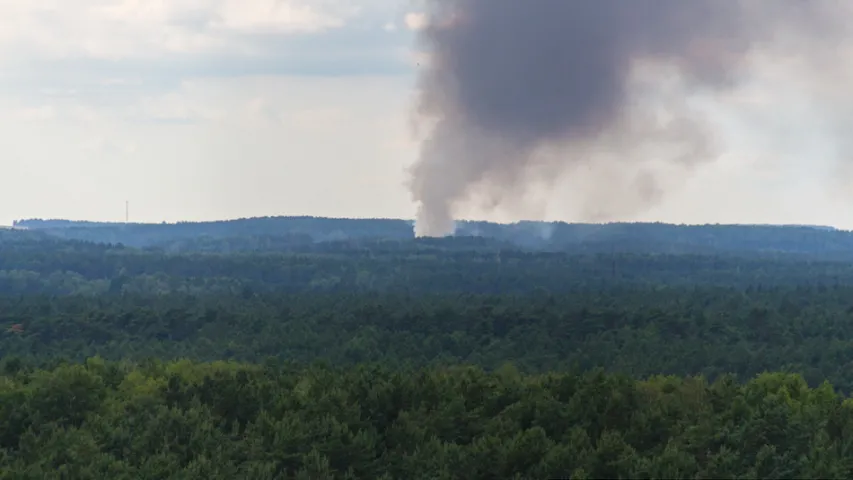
(126, 211)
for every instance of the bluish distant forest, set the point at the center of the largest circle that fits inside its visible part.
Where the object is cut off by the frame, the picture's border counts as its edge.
(316, 348)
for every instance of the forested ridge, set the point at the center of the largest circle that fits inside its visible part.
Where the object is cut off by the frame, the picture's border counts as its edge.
(300, 233)
(321, 348)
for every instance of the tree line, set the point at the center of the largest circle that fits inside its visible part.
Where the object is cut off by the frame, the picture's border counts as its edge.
(35, 263)
(639, 332)
(227, 420)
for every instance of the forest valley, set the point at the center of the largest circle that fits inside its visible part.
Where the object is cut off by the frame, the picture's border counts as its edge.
(298, 347)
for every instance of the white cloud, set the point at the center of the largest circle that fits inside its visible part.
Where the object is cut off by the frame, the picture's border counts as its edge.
(212, 148)
(44, 112)
(416, 20)
(197, 109)
(275, 16)
(115, 29)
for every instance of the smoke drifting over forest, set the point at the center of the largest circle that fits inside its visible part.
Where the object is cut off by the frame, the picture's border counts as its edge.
(515, 91)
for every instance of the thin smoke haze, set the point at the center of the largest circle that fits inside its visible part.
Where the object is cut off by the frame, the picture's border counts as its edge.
(516, 92)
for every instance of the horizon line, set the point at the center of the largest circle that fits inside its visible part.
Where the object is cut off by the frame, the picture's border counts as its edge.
(412, 222)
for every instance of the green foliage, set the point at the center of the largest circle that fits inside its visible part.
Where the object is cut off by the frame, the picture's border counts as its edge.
(230, 420)
(33, 262)
(317, 348)
(640, 331)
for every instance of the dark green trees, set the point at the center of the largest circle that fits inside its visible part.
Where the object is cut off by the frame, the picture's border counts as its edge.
(228, 420)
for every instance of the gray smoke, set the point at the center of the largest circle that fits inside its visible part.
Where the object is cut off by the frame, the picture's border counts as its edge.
(519, 90)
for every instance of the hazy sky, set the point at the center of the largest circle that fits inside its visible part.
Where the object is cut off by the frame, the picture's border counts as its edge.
(209, 109)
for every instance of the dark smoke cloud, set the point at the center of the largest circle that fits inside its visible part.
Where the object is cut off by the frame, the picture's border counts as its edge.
(510, 79)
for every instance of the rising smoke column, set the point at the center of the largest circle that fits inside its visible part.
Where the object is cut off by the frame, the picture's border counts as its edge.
(506, 79)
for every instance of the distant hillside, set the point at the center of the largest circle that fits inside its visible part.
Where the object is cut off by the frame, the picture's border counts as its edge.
(298, 230)
(302, 233)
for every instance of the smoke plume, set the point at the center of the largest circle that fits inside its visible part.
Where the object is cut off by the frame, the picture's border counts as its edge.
(517, 91)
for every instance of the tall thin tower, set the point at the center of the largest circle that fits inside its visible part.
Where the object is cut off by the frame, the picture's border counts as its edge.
(126, 211)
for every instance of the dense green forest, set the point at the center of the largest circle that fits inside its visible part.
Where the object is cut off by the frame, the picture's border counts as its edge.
(320, 348)
(636, 332)
(226, 420)
(35, 262)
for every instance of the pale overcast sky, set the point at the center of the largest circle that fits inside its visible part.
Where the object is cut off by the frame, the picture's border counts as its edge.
(213, 109)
